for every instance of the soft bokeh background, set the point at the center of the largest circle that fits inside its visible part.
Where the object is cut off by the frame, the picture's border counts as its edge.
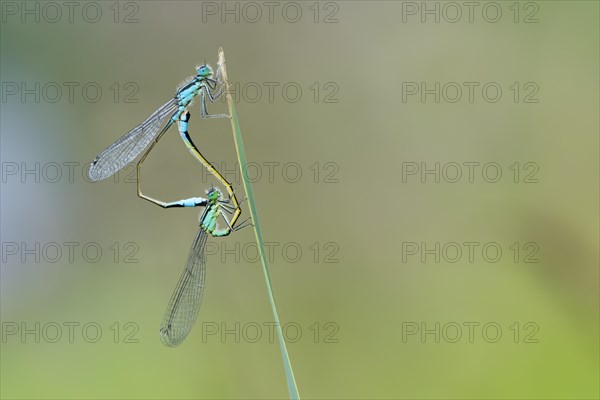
(357, 209)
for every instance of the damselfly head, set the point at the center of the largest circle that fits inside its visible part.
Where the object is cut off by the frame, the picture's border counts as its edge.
(213, 193)
(204, 71)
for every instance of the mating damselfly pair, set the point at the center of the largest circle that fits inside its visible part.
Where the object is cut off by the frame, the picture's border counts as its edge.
(183, 307)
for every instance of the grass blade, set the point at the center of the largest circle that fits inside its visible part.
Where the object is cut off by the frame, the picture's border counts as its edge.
(241, 155)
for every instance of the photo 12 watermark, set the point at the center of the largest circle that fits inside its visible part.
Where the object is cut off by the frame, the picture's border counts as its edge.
(487, 92)
(69, 12)
(265, 332)
(287, 92)
(490, 252)
(469, 332)
(59, 172)
(69, 92)
(269, 12)
(62, 332)
(289, 252)
(470, 12)
(71, 252)
(277, 171)
(469, 172)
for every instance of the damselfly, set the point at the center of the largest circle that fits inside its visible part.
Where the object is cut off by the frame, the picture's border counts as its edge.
(183, 307)
(129, 146)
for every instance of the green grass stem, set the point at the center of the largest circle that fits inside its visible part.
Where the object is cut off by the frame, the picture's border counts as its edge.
(241, 155)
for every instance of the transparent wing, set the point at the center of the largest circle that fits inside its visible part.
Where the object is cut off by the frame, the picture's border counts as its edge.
(127, 148)
(185, 302)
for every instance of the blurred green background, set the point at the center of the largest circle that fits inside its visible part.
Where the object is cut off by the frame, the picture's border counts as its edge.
(365, 289)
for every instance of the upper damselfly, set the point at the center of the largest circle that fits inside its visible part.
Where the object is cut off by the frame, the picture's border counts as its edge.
(129, 146)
